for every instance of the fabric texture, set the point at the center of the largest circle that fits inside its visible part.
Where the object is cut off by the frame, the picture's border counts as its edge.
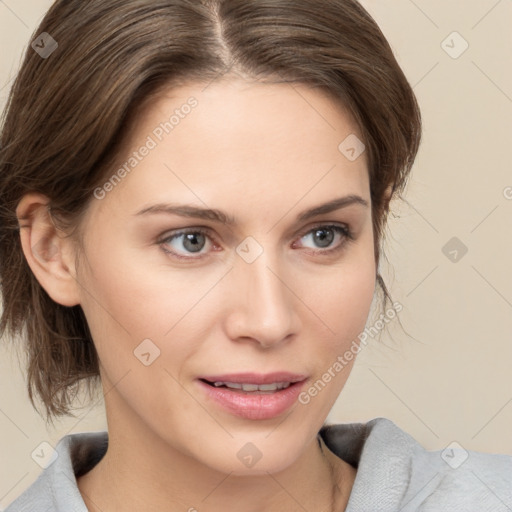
(394, 473)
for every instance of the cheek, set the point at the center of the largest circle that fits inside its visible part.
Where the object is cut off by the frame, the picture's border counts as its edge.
(342, 303)
(126, 292)
(129, 299)
(128, 313)
(356, 293)
(345, 311)
(340, 296)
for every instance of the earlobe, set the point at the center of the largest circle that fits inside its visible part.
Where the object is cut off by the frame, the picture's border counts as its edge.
(49, 253)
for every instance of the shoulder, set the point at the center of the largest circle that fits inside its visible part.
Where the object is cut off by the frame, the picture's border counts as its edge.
(56, 489)
(394, 472)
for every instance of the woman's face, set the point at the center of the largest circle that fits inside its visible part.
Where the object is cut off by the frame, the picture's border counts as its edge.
(273, 291)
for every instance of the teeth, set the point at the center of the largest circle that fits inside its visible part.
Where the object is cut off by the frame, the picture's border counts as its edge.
(254, 387)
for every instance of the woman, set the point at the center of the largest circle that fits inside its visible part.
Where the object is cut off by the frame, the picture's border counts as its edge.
(193, 201)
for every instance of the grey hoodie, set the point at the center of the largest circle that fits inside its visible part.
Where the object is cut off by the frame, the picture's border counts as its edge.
(394, 473)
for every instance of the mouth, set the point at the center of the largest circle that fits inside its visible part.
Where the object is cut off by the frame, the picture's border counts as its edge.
(246, 387)
(248, 397)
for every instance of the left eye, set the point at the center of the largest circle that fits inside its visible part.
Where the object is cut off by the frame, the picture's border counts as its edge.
(192, 241)
(326, 234)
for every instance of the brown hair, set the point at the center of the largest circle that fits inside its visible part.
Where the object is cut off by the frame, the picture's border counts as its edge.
(68, 115)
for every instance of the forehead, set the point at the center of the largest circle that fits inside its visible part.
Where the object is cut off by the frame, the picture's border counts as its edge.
(262, 142)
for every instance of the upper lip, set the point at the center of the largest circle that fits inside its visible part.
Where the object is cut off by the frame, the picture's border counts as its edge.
(256, 378)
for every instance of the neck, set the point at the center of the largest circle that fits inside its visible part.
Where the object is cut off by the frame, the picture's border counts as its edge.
(154, 477)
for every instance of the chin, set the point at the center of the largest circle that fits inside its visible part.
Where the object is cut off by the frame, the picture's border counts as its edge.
(258, 457)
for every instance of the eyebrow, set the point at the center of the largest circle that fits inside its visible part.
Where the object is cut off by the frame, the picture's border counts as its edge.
(184, 210)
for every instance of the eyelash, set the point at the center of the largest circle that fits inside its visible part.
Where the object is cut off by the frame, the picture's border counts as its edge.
(343, 230)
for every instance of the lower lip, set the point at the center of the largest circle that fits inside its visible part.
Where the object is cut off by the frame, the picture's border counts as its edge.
(254, 405)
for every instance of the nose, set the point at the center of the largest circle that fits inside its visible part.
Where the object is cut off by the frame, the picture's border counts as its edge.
(263, 307)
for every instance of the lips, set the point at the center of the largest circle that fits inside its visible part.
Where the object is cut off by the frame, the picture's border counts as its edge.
(255, 404)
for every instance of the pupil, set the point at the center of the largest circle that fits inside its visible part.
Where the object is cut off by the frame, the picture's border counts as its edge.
(191, 238)
(325, 240)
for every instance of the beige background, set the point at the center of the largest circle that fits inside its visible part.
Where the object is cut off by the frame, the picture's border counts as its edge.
(454, 381)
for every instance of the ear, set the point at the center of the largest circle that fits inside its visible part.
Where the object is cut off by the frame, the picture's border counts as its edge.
(49, 253)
